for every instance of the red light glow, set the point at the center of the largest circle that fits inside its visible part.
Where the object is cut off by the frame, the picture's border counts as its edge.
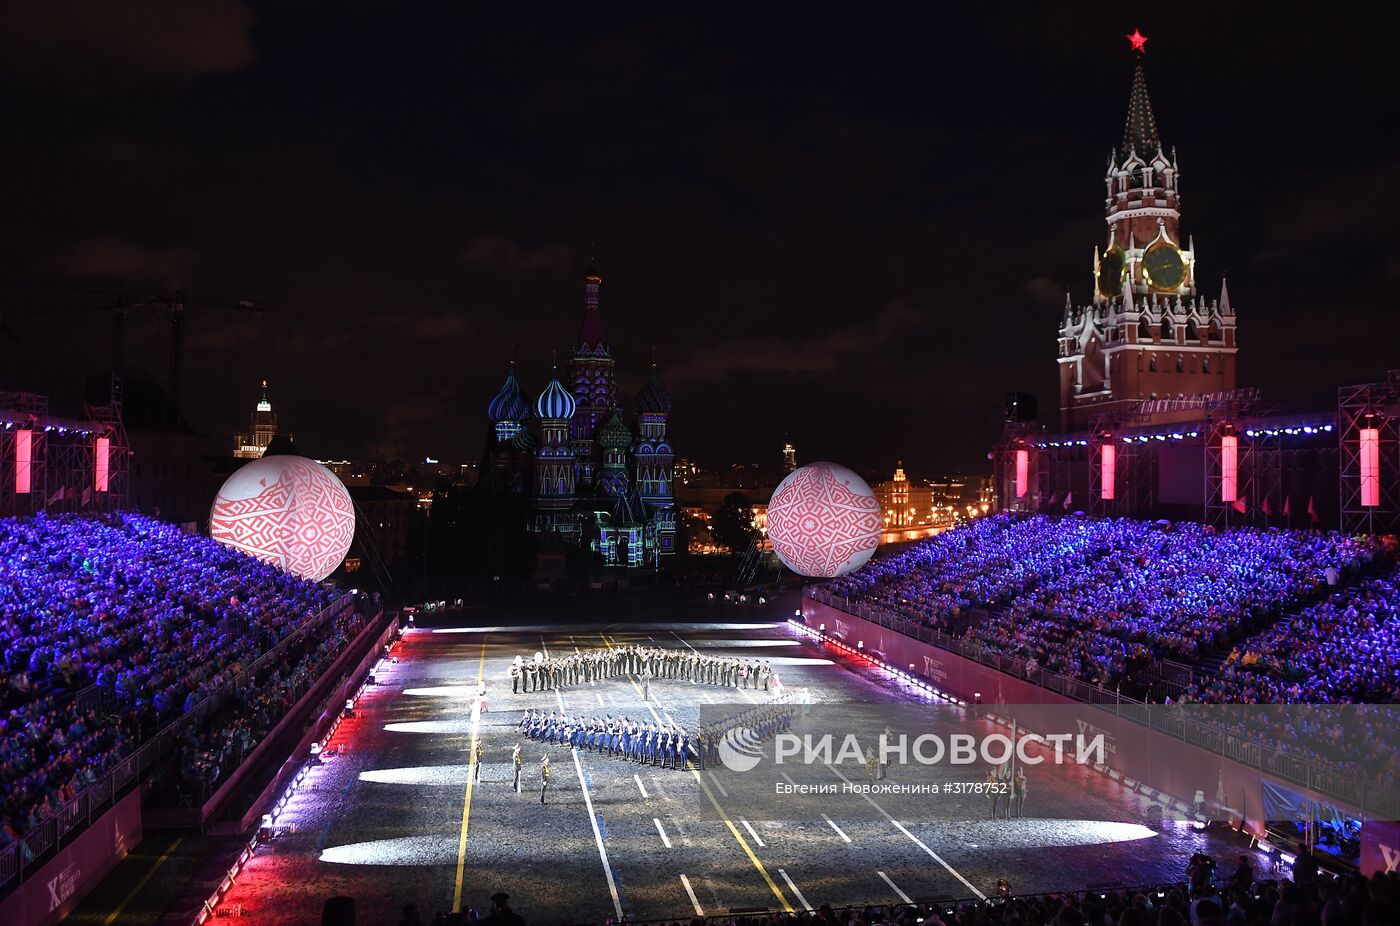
(102, 469)
(1370, 467)
(1229, 467)
(24, 449)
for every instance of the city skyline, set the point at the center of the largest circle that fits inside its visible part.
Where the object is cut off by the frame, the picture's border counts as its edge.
(805, 245)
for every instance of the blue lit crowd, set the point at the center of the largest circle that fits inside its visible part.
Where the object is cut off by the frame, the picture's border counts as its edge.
(142, 619)
(1102, 599)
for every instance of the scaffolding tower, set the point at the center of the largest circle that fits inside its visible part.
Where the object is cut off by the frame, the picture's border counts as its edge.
(1368, 456)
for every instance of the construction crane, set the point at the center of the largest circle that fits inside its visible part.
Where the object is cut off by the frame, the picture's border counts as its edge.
(173, 301)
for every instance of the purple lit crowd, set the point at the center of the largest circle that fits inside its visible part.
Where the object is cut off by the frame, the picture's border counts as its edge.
(131, 617)
(1099, 599)
(1341, 650)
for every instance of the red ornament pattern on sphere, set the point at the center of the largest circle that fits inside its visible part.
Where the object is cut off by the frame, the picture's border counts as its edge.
(300, 518)
(823, 521)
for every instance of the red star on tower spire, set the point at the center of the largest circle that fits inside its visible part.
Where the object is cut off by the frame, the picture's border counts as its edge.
(1139, 41)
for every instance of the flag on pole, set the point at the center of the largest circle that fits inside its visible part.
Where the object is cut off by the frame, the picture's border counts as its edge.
(1241, 505)
(1268, 512)
(1287, 506)
(1312, 510)
(1069, 497)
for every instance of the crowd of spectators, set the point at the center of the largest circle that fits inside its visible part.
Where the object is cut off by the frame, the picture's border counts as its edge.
(1345, 649)
(110, 628)
(1100, 598)
(211, 749)
(1240, 896)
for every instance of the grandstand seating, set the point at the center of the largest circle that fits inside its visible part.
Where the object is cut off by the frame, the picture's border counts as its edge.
(112, 627)
(1099, 599)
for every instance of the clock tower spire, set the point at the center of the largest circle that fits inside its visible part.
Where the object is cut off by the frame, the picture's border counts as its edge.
(1147, 334)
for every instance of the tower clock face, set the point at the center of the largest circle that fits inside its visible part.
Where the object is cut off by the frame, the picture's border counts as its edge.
(1164, 268)
(1111, 273)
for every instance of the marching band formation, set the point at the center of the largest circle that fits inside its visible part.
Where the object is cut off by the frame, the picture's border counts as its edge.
(652, 743)
(656, 744)
(547, 673)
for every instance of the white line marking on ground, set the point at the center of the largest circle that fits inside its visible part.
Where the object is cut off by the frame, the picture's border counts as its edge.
(601, 702)
(665, 840)
(832, 823)
(895, 887)
(707, 698)
(718, 786)
(597, 835)
(753, 834)
(795, 892)
(640, 786)
(544, 647)
(789, 778)
(683, 640)
(900, 826)
(694, 901)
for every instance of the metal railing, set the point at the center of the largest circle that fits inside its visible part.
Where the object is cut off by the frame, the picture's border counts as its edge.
(20, 856)
(1338, 781)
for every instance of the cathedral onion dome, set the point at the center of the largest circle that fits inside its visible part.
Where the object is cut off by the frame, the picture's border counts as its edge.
(555, 402)
(653, 399)
(509, 403)
(614, 435)
(525, 440)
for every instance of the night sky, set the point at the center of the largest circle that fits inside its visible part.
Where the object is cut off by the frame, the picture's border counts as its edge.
(848, 227)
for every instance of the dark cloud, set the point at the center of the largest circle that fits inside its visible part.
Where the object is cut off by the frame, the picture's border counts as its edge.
(497, 252)
(801, 351)
(428, 326)
(1044, 291)
(115, 258)
(95, 45)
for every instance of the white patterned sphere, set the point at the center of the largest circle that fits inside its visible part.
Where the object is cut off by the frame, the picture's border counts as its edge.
(823, 521)
(288, 511)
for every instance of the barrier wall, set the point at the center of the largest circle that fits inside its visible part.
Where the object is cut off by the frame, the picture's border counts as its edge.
(1139, 753)
(49, 894)
(334, 704)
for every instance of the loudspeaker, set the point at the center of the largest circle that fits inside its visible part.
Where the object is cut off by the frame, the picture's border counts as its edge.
(338, 911)
(1019, 406)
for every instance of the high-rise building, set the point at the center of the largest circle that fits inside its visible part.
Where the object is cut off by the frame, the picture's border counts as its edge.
(594, 481)
(262, 428)
(1147, 334)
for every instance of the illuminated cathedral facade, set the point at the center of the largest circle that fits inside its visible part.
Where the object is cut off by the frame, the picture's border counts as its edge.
(595, 480)
(1147, 334)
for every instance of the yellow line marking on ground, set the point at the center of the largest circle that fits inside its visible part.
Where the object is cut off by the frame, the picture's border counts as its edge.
(115, 914)
(471, 777)
(738, 837)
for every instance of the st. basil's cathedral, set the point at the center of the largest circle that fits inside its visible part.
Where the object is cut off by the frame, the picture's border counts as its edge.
(595, 481)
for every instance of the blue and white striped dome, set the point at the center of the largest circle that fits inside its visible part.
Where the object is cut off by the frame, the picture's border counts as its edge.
(508, 404)
(555, 402)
